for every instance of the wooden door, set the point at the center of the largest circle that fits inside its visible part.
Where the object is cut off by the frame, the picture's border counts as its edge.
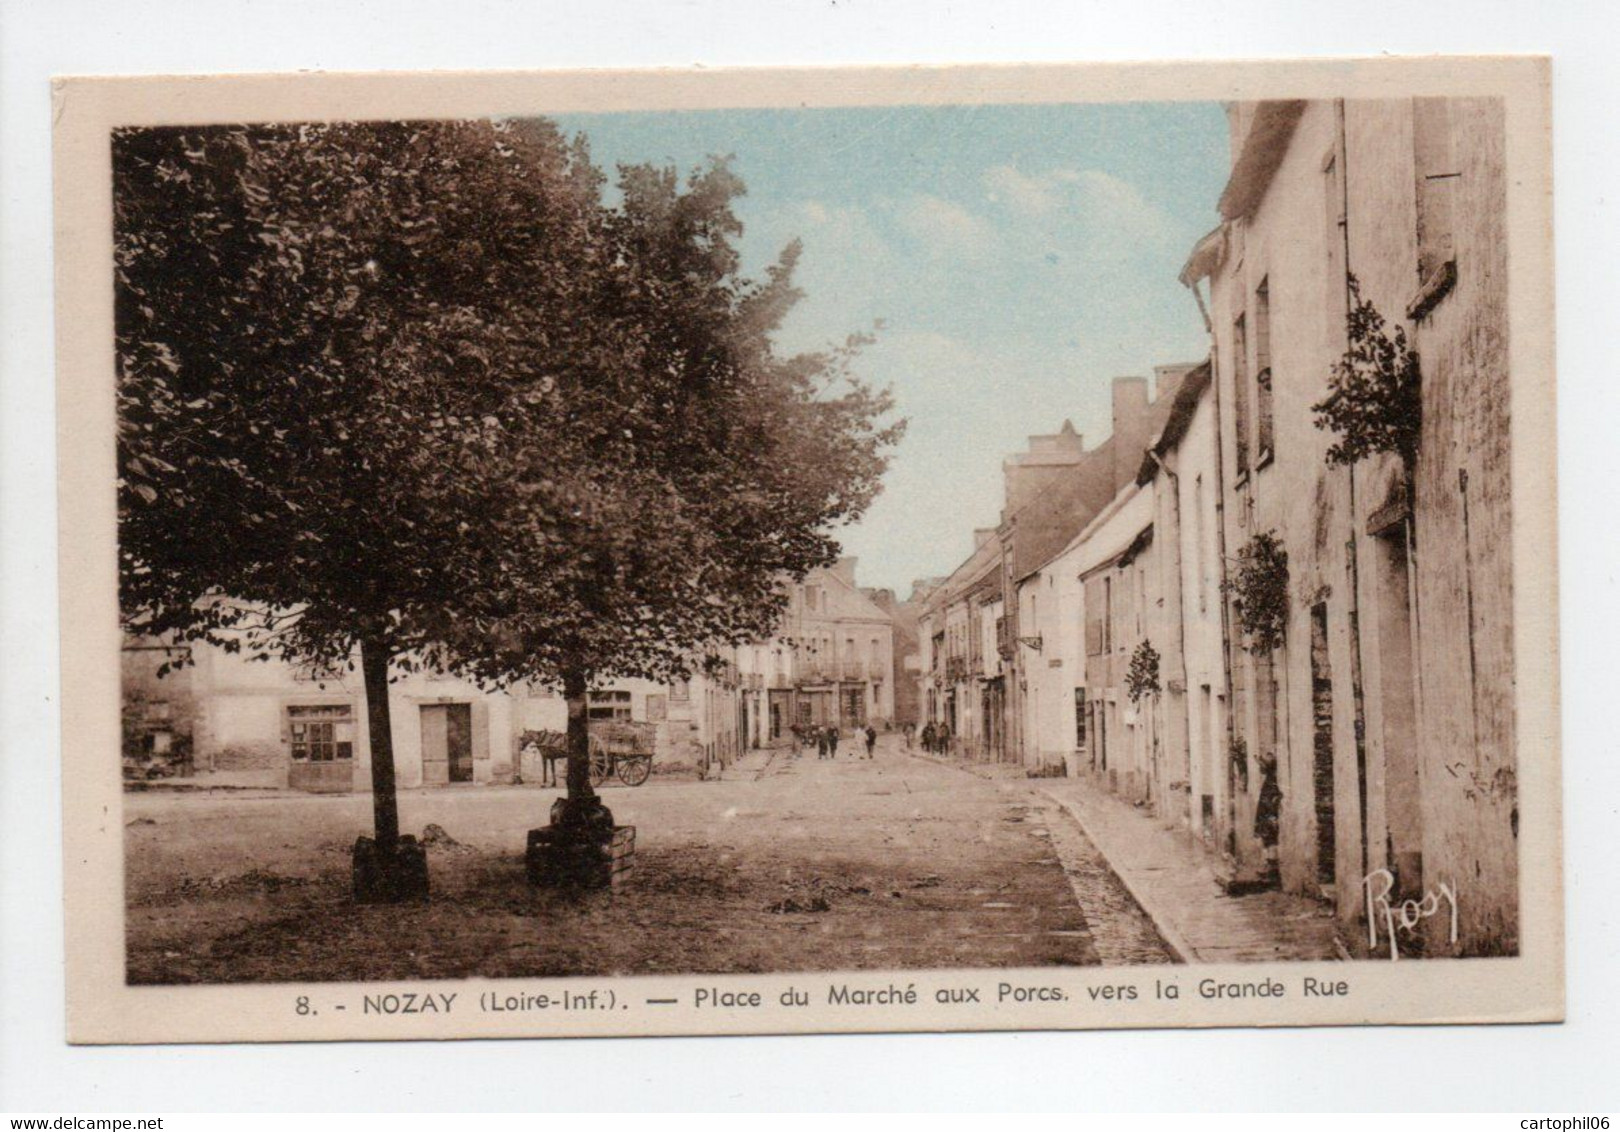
(435, 745)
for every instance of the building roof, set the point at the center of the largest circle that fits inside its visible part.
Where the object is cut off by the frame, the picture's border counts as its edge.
(1116, 532)
(1046, 523)
(845, 601)
(1270, 130)
(1205, 257)
(1176, 423)
(971, 573)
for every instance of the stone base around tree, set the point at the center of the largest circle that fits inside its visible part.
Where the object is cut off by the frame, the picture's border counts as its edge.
(561, 856)
(397, 877)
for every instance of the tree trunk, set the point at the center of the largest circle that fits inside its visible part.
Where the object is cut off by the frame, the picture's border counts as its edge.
(581, 811)
(374, 658)
(580, 791)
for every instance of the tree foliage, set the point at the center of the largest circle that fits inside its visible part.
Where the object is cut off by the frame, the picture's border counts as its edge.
(1142, 677)
(1375, 402)
(416, 385)
(1259, 591)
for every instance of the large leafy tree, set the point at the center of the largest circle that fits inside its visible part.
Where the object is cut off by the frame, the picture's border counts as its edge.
(414, 391)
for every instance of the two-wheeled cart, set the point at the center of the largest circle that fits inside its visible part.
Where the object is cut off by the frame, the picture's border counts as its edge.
(622, 750)
(619, 750)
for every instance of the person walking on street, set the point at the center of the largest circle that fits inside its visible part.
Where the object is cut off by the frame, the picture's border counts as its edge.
(1268, 815)
(832, 741)
(871, 739)
(821, 742)
(906, 731)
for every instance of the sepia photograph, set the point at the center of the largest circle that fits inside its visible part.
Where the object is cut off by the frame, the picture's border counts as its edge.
(950, 524)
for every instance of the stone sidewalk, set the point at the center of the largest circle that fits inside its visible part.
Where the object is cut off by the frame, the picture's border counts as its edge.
(1173, 878)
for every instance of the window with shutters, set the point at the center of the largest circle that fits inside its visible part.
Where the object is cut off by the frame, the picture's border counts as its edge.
(1240, 393)
(1201, 544)
(1438, 172)
(1108, 613)
(1262, 373)
(1094, 616)
(610, 705)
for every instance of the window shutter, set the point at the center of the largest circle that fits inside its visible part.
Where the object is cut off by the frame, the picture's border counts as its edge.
(480, 729)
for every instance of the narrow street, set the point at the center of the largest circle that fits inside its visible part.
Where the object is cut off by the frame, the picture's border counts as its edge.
(788, 863)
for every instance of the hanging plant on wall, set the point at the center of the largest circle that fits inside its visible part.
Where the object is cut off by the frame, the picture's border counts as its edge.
(1142, 678)
(1259, 591)
(1238, 754)
(1375, 403)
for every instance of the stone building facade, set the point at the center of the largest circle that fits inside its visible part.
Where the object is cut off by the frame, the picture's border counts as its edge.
(225, 718)
(1116, 557)
(1182, 470)
(1388, 704)
(1323, 627)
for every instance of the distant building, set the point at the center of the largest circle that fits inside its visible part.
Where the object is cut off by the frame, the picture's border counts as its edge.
(963, 668)
(1046, 603)
(907, 647)
(842, 644)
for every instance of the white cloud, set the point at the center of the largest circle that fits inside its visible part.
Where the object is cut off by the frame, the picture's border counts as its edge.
(1020, 193)
(1121, 205)
(945, 228)
(1099, 202)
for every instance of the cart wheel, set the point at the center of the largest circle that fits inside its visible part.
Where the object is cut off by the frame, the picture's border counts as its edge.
(601, 767)
(634, 771)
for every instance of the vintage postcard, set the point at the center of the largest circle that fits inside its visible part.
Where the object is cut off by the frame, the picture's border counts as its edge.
(772, 551)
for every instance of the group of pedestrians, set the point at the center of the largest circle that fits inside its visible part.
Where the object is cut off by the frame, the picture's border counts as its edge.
(936, 738)
(826, 739)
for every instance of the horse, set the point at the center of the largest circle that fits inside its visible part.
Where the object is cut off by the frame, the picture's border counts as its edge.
(550, 746)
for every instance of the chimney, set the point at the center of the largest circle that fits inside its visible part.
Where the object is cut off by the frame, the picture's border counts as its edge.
(1130, 427)
(845, 569)
(1026, 473)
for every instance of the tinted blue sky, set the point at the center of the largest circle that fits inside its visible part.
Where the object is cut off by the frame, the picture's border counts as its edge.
(1019, 257)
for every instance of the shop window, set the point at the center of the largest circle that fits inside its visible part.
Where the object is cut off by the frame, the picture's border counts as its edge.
(321, 733)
